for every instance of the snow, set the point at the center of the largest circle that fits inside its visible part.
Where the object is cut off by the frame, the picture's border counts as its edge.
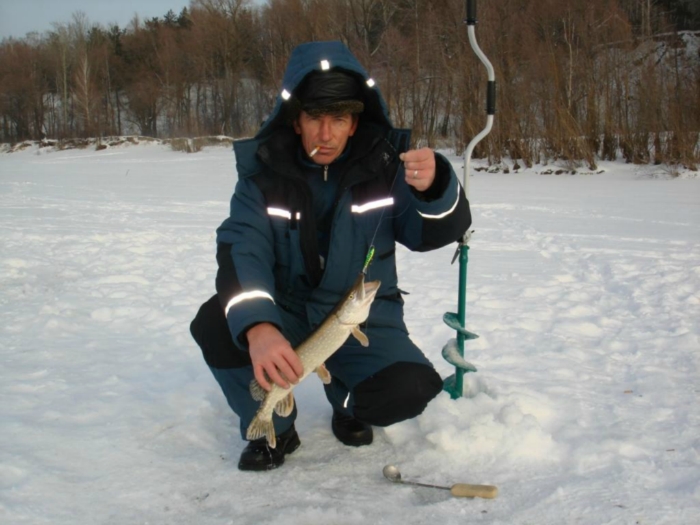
(584, 290)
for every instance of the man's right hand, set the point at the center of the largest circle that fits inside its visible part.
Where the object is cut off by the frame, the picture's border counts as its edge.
(273, 357)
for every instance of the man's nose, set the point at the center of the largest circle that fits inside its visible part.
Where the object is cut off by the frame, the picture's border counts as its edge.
(325, 130)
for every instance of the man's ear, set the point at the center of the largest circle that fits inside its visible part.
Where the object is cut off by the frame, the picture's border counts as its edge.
(296, 126)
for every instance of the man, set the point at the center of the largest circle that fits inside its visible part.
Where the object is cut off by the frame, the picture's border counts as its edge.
(325, 179)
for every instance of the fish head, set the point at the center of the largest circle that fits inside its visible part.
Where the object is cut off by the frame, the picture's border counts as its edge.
(354, 309)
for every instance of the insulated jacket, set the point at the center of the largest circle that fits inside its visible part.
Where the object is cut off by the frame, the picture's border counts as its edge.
(268, 250)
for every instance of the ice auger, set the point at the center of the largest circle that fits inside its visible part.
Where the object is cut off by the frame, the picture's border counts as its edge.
(453, 351)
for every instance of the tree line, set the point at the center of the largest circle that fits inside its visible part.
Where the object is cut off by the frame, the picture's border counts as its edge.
(578, 80)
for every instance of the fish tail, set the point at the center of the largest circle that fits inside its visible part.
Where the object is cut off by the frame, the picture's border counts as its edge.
(259, 428)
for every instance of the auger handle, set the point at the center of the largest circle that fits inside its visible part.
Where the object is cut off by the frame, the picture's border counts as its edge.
(464, 490)
(471, 22)
(471, 12)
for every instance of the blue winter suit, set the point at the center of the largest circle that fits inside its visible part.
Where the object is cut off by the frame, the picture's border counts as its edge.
(297, 237)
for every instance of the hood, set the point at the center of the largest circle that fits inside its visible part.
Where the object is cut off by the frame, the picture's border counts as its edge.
(318, 56)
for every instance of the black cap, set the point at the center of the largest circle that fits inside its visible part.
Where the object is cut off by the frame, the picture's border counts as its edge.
(324, 92)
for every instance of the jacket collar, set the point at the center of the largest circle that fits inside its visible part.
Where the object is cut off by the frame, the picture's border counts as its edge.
(368, 147)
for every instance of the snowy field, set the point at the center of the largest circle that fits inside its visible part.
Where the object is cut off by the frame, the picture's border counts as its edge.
(585, 291)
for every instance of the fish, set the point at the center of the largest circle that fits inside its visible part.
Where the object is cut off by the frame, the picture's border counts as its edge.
(343, 321)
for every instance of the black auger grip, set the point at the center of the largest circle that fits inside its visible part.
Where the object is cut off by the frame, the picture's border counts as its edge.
(471, 12)
(491, 98)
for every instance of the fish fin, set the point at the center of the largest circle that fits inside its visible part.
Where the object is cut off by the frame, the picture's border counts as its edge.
(324, 374)
(362, 338)
(285, 406)
(257, 391)
(259, 428)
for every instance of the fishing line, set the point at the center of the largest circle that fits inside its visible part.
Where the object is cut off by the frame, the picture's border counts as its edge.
(370, 252)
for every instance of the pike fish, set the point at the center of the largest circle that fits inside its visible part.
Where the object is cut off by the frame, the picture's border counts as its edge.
(330, 335)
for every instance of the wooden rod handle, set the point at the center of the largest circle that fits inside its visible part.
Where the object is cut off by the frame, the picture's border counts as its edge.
(464, 490)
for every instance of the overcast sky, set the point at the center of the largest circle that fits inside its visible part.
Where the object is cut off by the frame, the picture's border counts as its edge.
(19, 17)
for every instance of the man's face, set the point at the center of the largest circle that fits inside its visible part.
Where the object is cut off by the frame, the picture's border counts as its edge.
(328, 133)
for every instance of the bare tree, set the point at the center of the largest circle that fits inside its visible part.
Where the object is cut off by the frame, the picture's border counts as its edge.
(576, 79)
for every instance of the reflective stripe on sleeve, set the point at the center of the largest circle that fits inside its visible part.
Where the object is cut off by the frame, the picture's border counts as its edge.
(246, 296)
(372, 205)
(444, 214)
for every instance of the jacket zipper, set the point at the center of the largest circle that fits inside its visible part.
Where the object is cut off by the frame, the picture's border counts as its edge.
(325, 173)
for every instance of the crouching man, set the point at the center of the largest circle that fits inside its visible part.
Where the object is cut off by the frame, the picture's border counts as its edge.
(326, 178)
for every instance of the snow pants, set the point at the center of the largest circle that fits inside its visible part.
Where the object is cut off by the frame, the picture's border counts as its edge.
(387, 382)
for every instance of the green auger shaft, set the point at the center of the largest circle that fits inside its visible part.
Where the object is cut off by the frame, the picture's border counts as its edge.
(462, 315)
(453, 352)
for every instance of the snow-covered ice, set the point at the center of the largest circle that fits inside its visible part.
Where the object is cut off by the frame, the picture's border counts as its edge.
(585, 291)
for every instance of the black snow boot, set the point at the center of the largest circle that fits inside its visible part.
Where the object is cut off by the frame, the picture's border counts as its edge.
(351, 431)
(257, 455)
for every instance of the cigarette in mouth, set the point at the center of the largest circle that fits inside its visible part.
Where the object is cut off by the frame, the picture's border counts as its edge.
(314, 151)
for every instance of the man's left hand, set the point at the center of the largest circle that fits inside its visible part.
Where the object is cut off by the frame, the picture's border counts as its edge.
(419, 165)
